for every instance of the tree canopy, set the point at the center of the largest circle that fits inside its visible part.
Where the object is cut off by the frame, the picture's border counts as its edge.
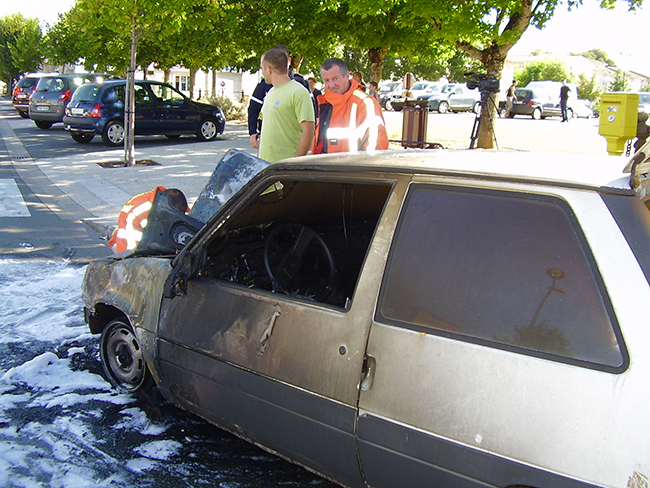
(20, 46)
(400, 35)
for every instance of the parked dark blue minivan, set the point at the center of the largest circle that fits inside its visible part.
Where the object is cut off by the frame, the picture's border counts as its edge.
(159, 109)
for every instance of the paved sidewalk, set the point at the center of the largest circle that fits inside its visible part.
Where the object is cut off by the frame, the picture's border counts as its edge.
(78, 188)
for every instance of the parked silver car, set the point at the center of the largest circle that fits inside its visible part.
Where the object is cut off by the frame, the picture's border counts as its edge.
(404, 319)
(53, 93)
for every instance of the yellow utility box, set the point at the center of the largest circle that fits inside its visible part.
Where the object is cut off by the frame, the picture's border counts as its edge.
(618, 119)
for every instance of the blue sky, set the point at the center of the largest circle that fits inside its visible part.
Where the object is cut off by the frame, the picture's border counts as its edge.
(621, 34)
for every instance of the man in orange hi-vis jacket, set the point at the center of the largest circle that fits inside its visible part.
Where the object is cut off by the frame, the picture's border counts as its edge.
(349, 120)
(133, 217)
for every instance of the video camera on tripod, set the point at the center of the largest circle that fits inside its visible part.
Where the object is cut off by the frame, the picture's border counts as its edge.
(485, 83)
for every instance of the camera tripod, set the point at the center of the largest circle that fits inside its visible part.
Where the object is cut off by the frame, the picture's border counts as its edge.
(485, 98)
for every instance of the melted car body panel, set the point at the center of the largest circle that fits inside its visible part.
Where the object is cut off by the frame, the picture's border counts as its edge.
(135, 288)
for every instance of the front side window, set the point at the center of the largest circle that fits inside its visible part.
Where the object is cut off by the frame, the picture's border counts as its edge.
(500, 269)
(305, 239)
(167, 94)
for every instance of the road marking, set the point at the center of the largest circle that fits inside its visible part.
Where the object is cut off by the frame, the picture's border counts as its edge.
(11, 200)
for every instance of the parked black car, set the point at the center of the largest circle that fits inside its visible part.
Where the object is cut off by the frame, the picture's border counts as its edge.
(98, 109)
(22, 91)
(53, 93)
(537, 103)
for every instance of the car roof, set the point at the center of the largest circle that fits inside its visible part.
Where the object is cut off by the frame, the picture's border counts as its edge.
(599, 172)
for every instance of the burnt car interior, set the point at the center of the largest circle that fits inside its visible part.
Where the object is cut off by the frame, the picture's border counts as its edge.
(302, 238)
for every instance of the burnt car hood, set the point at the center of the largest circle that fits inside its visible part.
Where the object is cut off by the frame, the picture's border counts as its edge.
(169, 230)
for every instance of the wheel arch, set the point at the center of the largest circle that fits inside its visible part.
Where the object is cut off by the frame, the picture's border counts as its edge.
(101, 315)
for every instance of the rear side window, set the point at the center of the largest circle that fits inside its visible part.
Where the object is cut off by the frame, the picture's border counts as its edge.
(27, 83)
(502, 270)
(50, 84)
(114, 94)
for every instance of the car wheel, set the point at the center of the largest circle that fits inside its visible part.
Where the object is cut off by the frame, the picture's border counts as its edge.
(82, 138)
(207, 130)
(443, 107)
(122, 357)
(42, 124)
(113, 134)
(389, 106)
(571, 114)
(24, 114)
(477, 108)
(537, 114)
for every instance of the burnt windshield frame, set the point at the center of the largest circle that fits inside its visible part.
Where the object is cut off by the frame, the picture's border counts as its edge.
(598, 284)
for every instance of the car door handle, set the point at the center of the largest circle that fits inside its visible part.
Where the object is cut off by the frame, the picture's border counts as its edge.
(368, 372)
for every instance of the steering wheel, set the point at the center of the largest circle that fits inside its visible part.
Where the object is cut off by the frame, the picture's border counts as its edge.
(298, 261)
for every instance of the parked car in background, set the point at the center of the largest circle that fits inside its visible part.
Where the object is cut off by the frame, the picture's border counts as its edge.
(644, 102)
(421, 88)
(98, 109)
(404, 318)
(389, 90)
(581, 109)
(438, 102)
(537, 103)
(462, 99)
(53, 93)
(22, 91)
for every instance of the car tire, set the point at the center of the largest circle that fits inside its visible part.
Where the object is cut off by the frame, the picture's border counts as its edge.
(43, 124)
(113, 133)
(207, 130)
(477, 108)
(81, 137)
(388, 105)
(537, 114)
(24, 114)
(443, 107)
(571, 114)
(122, 357)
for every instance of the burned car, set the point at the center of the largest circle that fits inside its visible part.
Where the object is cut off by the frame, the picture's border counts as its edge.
(405, 318)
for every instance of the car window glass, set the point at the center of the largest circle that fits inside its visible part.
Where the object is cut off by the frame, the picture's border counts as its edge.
(305, 239)
(114, 94)
(86, 93)
(498, 269)
(167, 95)
(140, 94)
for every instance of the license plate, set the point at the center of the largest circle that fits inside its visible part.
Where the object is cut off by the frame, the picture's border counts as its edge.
(77, 111)
(21, 95)
(42, 108)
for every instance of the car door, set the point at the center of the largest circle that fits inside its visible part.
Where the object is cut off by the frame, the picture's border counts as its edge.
(147, 112)
(494, 355)
(177, 116)
(275, 363)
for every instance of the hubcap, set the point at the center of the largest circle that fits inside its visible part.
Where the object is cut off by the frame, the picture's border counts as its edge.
(208, 129)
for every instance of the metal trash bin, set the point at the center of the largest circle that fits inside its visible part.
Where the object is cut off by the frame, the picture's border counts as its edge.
(414, 125)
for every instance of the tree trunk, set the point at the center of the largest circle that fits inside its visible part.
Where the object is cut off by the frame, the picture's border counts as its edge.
(214, 83)
(193, 72)
(129, 113)
(376, 56)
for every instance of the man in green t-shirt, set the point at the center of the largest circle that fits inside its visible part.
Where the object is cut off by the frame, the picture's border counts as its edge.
(287, 113)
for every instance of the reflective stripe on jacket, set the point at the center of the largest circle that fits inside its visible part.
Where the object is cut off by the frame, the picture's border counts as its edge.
(349, 122)
(131, 221)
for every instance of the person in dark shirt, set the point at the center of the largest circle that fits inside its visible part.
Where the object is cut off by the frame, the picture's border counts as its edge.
(564, 97)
